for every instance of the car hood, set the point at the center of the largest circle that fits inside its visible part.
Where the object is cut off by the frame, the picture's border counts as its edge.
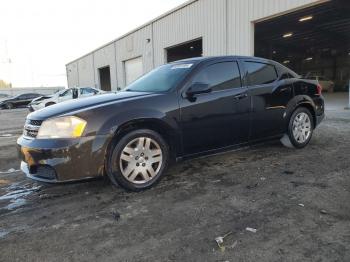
(74, 105)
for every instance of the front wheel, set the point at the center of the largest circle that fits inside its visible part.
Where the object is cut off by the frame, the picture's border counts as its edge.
(300, 128)
(138, 160)
(9, 105)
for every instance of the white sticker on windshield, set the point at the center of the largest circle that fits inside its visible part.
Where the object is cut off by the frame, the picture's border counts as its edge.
(182, 66)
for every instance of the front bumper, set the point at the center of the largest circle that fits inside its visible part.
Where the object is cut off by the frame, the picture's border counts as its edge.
(63, 160)
(319, 119)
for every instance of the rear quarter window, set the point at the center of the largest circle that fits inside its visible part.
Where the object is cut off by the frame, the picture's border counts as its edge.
(260, 73)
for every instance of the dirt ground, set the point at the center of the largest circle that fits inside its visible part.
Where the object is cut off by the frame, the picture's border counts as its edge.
(297, 200)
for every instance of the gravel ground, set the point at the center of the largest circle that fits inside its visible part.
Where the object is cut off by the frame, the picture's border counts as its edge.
(297, 200)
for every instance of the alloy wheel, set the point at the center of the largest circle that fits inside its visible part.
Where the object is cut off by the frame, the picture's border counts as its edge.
(141, 160)
(302, 127)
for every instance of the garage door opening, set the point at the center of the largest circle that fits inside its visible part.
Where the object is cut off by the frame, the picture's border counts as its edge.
(105, 78)
(186, 50)
(133, 70)
(314, 42)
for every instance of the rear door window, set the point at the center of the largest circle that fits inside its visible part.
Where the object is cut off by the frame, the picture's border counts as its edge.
(220, 76)
(260, 73)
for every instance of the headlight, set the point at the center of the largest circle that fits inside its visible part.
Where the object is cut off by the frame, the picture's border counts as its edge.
(62, 127)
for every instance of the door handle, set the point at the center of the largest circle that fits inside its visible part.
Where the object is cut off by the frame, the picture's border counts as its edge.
(240, 96)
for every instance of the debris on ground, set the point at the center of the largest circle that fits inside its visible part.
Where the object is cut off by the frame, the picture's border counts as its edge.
(220, 241)
(4, 182)
(116, 215)
(252, 186)
(301, 205)
(6, 135)
(262, 178)
(287, 172)
(11, 170)
(250, 229)
(324, 212)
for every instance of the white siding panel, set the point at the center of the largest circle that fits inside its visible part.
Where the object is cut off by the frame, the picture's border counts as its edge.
(86, 71)
(133, 69)
(106, 57)
(72, 74)
(132, 46)
(201, 19)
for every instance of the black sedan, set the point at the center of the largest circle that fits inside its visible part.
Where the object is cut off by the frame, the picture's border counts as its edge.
(18, 100)
(180, 110)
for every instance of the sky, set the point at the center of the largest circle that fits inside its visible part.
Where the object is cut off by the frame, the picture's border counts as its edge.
(39, 37)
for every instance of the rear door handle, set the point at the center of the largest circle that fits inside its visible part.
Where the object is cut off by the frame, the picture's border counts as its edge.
(240, 96)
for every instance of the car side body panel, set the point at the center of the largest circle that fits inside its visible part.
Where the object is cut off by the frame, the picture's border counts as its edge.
(210, 123)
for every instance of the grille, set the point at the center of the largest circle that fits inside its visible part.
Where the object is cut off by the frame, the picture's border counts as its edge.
(31, 128)
(35, 122)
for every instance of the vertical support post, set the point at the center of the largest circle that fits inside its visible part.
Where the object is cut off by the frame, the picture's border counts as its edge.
(348, 107)
(349, 95)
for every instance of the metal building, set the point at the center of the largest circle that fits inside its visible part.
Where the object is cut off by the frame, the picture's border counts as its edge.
(310, 36)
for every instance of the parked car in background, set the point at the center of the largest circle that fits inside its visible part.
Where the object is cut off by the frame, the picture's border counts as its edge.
(326, 84)
(61, 96)
(181, 110)
(3, 96)
(18, 100)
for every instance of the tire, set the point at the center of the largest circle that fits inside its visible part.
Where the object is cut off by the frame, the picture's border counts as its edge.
(9, 106)
(50, 104)
(300, 128)
(138, 160)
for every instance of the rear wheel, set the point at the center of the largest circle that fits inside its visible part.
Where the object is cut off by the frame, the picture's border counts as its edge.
(300, 127)
(138, 160)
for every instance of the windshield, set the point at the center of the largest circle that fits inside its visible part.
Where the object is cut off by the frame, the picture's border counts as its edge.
(161, 79)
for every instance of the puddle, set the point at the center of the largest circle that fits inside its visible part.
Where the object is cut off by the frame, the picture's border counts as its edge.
(16, 195)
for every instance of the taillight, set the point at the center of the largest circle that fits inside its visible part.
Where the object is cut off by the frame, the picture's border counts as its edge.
(319, 89)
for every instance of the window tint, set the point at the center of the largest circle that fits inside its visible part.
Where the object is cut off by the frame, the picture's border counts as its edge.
(220, 76)
(161, 79)
(31, 96)
(286, 76)
(67, 93)
(23, 97)
(260, 73)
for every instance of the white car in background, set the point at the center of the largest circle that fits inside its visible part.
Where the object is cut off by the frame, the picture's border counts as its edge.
(326, 84)
(63, 95)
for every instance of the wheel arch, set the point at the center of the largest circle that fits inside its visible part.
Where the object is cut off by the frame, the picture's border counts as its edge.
(301, 101)
(166, 131)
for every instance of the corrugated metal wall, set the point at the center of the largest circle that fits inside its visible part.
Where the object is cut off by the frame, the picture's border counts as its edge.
(102, 58)
(226, 27)
(72, 74)
(132, 46)
(86, 71)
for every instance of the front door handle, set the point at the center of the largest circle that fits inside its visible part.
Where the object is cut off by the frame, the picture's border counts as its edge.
(240, 96)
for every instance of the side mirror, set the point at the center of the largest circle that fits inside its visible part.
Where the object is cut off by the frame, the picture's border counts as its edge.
(198, 88)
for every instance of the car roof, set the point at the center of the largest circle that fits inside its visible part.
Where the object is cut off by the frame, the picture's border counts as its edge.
(210, 58)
